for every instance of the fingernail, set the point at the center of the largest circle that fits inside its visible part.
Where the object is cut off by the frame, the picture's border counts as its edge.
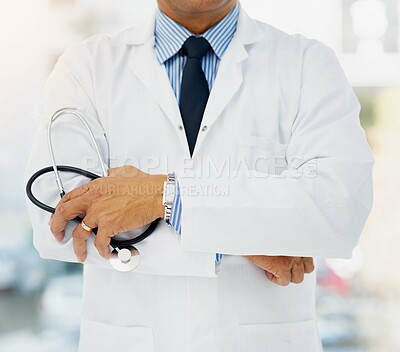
(60, 236)
(268, 275)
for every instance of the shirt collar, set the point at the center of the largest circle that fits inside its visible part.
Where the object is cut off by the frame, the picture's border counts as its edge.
(170, 35)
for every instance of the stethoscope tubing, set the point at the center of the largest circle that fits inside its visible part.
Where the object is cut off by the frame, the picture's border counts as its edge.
(120, 244)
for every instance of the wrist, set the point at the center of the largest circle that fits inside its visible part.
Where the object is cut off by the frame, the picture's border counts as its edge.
(158, 206)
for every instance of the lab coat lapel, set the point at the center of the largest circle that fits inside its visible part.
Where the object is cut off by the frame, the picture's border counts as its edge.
(153, 76)
(230, 72)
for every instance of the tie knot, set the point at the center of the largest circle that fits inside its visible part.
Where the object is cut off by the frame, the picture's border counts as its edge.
(195, 47)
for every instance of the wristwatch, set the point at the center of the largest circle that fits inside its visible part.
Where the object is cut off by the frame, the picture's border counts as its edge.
(168, 196)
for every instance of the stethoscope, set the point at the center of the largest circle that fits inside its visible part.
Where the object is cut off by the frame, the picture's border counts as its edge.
(124, 256)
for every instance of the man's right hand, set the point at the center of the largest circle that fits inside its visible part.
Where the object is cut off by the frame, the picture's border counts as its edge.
(283, 270)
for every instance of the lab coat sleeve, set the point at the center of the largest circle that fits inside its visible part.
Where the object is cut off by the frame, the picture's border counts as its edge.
(318, 206)
(68, 86)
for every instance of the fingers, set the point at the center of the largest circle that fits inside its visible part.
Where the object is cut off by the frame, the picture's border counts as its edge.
(60, 234)
(79, 237)
(296, 276)
(102, 243)
(284, 270)
(113, 172)
(276, 268)
(75, 193)
(282, 279)
(63, 213)
(269, 275)
(297, 271)
(308, 264)
(261, 261)
(116, 171)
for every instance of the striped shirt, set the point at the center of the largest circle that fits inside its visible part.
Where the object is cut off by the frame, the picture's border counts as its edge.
(169, 38)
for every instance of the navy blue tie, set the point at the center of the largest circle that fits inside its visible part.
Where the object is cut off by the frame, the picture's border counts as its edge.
(194, 88)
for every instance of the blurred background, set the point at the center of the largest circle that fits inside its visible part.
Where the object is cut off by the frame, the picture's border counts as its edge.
(358, 300)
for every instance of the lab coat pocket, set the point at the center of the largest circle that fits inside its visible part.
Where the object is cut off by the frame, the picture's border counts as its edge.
(283, 337)
(101, 337)
(262, 155)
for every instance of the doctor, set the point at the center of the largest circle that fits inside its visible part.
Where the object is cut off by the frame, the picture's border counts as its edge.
(256, 136)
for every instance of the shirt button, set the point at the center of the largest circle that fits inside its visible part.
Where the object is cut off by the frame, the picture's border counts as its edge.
(180, 128)
(204, 129)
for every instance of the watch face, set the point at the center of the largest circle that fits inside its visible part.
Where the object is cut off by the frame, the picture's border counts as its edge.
(170, 189)
(169, 192)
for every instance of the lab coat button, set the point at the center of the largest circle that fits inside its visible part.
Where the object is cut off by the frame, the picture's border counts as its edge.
(204, 129)
(180, 128)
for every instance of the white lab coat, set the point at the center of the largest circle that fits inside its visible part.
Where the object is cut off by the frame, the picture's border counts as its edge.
(278, 100)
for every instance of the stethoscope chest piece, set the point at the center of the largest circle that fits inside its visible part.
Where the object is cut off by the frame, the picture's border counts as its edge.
(125, 259)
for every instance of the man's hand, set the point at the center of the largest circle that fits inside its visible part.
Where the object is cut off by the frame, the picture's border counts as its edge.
(127, 199)
(284, 270)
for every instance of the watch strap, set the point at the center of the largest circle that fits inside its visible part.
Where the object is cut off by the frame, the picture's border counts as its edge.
(168, 198)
